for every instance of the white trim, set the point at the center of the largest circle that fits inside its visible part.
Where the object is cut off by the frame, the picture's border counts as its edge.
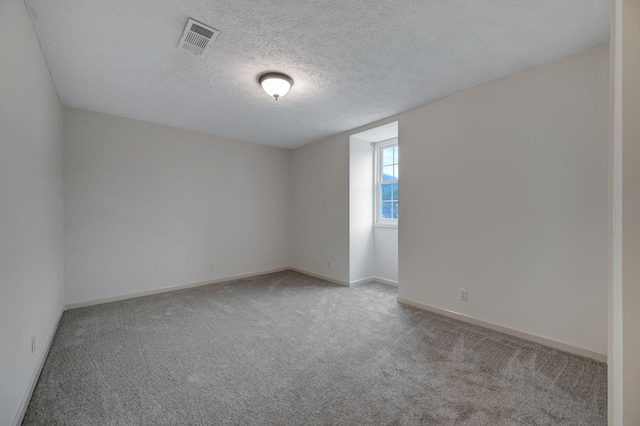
(388, 141)
(170, 288)
(17, 421)
(378, 147)
(385, 281)
(387, 224)
(361, 281)
(370, 279)
(320, 276)
(532, 337)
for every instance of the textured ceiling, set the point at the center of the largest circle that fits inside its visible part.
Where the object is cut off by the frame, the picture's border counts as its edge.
(353, 61)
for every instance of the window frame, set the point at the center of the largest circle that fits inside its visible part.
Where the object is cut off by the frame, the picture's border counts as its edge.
(378, 147)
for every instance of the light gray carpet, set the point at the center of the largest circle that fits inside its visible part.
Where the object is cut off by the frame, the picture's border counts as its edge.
(288, 349)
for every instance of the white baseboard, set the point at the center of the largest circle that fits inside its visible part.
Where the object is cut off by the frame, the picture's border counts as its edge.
(170, 288)
(320, 276)
(376, 279)
(532, 337)
(385, 281)
(361, 280)
(17, 421)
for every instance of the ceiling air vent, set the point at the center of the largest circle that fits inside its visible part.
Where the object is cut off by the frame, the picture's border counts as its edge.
(197, 37)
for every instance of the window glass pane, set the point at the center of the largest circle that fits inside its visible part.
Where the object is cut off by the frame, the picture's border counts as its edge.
(387, 156)
(387, 173)
(387, 210)
(387, 192)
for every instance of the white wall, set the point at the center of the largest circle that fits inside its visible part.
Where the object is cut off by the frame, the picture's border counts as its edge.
(150, 206)
(385, 251)
(504, 193)
(361, 255)
(373, 250)
(31, 299)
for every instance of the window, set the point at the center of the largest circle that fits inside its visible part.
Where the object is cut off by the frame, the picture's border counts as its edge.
(386, 185)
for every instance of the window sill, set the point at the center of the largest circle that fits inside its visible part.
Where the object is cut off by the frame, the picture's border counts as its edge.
(386, 225)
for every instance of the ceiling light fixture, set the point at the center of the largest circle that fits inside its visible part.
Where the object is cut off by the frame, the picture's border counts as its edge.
(275, 84)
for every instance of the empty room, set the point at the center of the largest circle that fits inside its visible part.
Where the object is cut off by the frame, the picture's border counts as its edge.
(319, 213)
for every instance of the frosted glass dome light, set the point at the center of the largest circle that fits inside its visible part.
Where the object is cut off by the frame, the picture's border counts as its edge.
(276, 84)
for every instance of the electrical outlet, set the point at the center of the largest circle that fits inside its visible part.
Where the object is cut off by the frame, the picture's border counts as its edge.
(211, 267)
(464, 296)
(33, 343)
(328, 265)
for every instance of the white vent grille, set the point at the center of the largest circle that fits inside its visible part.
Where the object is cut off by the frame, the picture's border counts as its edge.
(197, 37)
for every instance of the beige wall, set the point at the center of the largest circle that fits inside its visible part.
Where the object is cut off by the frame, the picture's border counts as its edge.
(149, 206)
(631, 209)
(504, 193)
(624, 370)
(31, 298)
(320, 208)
